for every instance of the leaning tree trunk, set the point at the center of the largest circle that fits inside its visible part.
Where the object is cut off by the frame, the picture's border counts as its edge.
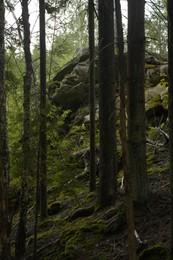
(125, 155)
(92, 95)
(43, 116)
(4, 158)
(170, 102)
(21, 234)
(107, 117)
(136, 100)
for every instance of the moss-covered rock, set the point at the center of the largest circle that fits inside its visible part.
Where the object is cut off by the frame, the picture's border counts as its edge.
(54, 208)
(71, 96)
(80, 236)
(155, 106)
(155, 252)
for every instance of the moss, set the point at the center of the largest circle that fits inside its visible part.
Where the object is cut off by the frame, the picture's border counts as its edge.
(120, 176)
(112, 212)
(154, 102)
(43, 235)
(150, 158)
(83, 234)
(157, 169)
(54, 208)
(14, 194)
(150, 66)
(98, 226)
(45, 223)
(68, 239)
(152, 133)
(90, 197)
(155, 252)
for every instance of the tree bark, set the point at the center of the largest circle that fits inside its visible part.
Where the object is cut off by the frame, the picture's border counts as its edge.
(21, 234)
(126, 163)
(136, 100)
(43, 116)
(4, 158)
(170, 110)
(107, 112)
(92, 95)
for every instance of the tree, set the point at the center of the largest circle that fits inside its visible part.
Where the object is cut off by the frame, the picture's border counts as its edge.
(25, 172)
(170, 105)
(107, 117)
(4, 160)
(136, 100)
(92, 95)
(156, 27)
(126, 163)
(43, 116)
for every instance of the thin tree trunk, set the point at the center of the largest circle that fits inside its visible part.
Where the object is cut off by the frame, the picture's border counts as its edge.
(92, 95)
(43, 116)
(4, 158)
(107, 111)
(37, 204)
(21, 234)
(170, 102)
(123, 135)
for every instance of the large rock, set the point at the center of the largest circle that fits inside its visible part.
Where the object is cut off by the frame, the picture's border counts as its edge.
(70, 87)
(71, 97)
(156, 105)
(156, 73)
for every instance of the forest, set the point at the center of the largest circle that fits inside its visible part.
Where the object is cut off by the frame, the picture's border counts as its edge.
(86, 129)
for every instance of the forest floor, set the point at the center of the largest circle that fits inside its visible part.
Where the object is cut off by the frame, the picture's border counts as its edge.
(74, 233)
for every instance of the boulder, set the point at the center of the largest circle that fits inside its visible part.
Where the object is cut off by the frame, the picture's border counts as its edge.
(71, 96)
(70, 87)
(156, 105)
(71, 90)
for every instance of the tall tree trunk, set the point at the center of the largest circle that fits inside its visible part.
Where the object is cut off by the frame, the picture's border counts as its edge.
(92, 94)
(21, 234)
(136, 100)
(125, 155)
(107, 113)
(170, 102)
(43, 116)
(37, 204)
(4, 158)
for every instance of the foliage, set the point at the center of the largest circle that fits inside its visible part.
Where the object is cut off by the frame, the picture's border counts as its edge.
(62, 167)
(156, 27)
(14, 115)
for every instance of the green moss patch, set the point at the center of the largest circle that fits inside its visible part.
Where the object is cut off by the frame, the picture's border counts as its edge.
(155, 252)
(79, 236)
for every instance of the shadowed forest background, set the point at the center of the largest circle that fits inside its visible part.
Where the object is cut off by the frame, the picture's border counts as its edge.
(86, 129)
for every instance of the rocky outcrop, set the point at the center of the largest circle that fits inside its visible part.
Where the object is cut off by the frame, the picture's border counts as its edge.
(69, 89)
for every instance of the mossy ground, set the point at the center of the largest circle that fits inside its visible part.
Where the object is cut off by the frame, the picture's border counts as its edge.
(84, 238)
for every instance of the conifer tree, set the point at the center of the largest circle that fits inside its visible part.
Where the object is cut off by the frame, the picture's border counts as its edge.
(43, 116)
(92, 95)
(107, 113)
(170, 105)
(25, 171)
(125, 156)
(136, 100)
(4, 159)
